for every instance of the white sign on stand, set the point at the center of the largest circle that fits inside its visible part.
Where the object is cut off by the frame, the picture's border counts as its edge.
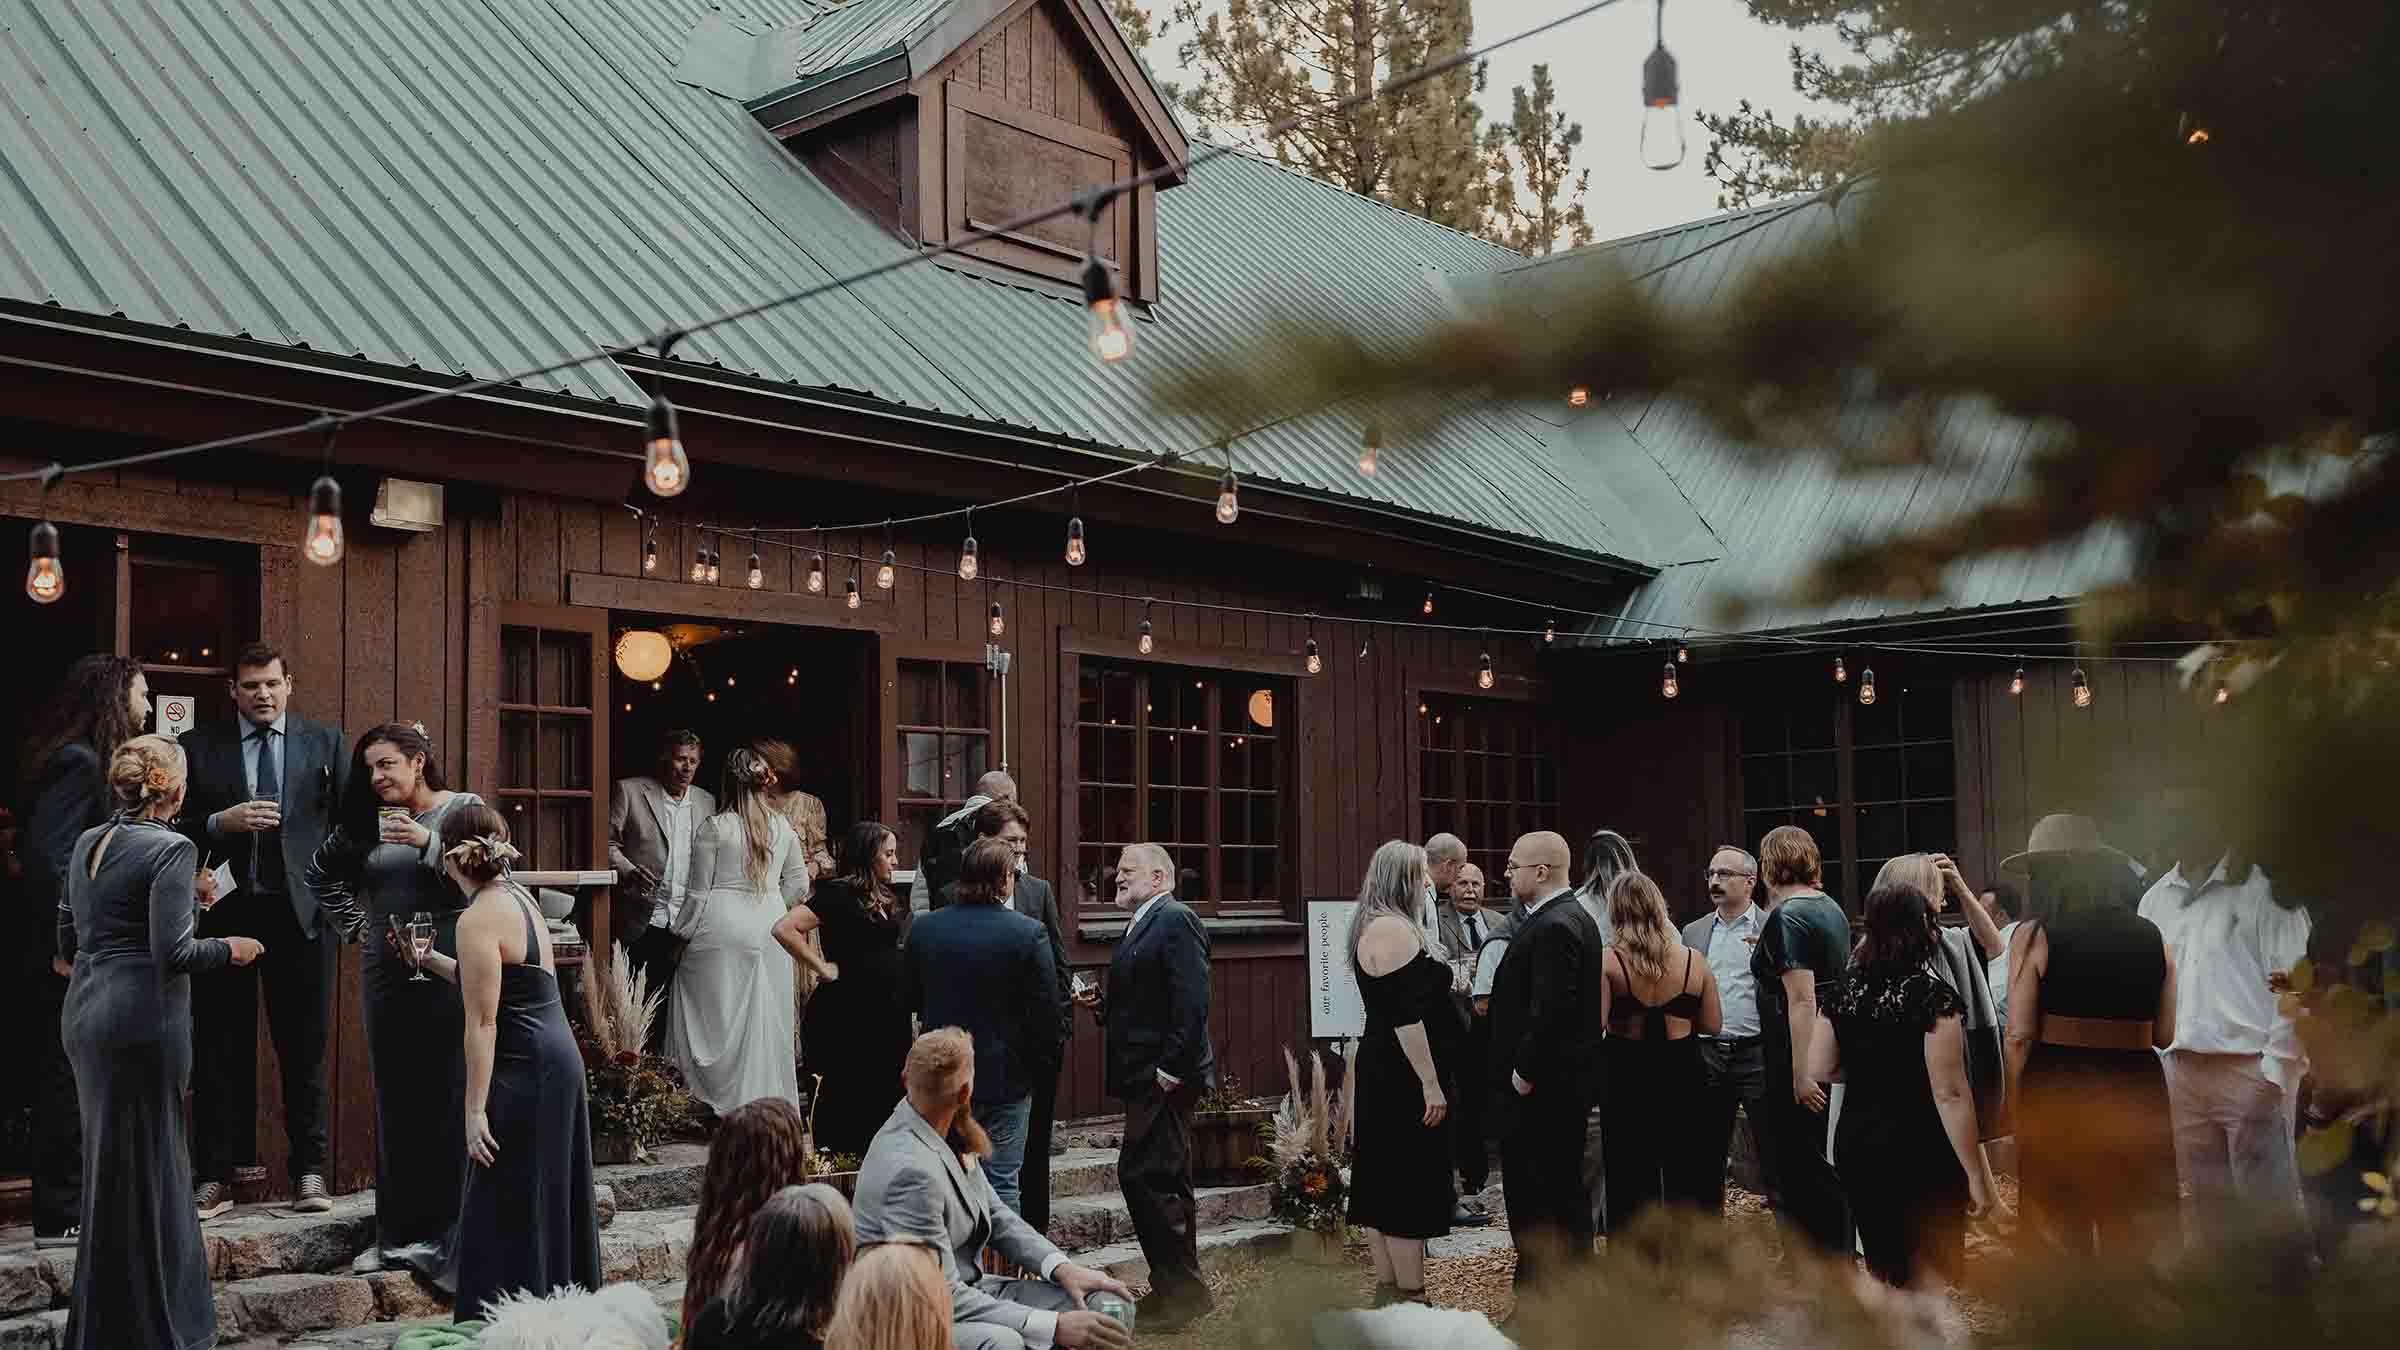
(175, 712)
(1334, 1007)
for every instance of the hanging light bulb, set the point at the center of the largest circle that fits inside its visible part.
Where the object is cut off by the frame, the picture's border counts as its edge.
(1316, 663)
(1075, 550)
(1549, 631)
(851, 599)
(1667, 686)
(1662, 121)
(45, 579)
(816, 574)
(1370, 447)
(1841, 673)
(1579, 395)
(1111, 340)
(1229, 499)
(998, 625)
(1483, 675)
(2224, 694)
(716, 567)
(1145, 643)
(1683, 654)
(665, 468)
(758, 574)
(322, 544)
(2080, 689)
(700, 563)
(1427, 608)
(2016, 683)
(967, 564)
(887, 571)
(1866, 687)
(650, 556)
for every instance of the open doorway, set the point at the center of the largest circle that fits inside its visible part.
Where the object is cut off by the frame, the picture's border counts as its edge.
(738, 683)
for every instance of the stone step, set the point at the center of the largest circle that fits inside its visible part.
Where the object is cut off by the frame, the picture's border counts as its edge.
(1083, 1171)
(1085, 1222)
(671, 1178)
(1125, 1261)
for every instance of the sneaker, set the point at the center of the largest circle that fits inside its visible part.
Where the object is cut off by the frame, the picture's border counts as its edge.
(367, 1262)
(314, 1198)
(69, 1236)
(212, 1199)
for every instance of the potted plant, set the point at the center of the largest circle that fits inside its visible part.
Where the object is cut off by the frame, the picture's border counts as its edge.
(1226, 1129)
(636, 1099)
(838, 1170)
(1308, 1163)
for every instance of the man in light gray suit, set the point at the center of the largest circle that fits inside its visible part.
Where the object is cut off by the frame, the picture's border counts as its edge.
(923, 1183)
(651, 822)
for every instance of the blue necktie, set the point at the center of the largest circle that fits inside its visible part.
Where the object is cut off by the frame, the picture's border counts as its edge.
(266, 847)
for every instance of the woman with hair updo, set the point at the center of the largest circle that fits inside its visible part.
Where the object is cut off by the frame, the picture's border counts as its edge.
(744, 922)
(525, 1222)
(128, 925)
(381, 864)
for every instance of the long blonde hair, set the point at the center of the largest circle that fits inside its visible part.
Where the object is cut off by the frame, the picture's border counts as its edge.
(892, 1299)
(1395, 884)
(749, 795)
(1638, 925)
(1912, 869)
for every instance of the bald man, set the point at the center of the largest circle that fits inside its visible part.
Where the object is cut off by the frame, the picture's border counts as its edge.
(1546, 1022)
(946, 843)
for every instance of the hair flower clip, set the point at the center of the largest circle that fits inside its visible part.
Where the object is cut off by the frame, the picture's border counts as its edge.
(483, 850)
(158, 779)
(417, 727)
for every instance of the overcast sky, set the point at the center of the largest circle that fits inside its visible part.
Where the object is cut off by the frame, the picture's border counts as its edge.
(1723, 54)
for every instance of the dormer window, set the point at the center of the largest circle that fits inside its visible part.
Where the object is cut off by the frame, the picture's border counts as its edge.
(978, 114)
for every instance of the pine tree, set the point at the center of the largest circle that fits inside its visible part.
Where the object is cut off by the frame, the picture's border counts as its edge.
(1536, 147)
(1263, 62)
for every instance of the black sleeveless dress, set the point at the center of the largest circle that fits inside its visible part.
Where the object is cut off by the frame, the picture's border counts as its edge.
(526, 1223)
(1399, 1169)
(1654, 1087)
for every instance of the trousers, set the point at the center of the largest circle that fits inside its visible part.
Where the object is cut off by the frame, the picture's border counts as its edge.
(1541, 1182)
(1808, 1195)
(1154, 1169)
(1733, 1078)
(296, 977)
(2234, 1136)
(1033, 1183)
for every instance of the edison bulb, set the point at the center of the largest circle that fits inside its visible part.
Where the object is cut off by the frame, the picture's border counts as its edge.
(816, 574)
(1841, 673)
(1866, 687)
(1316, 663)
(45, 579)
(1145, 644)
(758, 575)
(967, 564)
(665, 468)
(1578, 396)
(1667, 685)
(1483, 676)
(887, 571)
(1229, 501)
(1075, 549)
(852, 598)
(998, 625)
(2016, 683)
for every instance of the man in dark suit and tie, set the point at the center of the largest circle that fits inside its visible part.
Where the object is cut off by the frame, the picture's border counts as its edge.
(1546, 1026)
(262, 793)
(1006, 821)
(1466, 927)
(651, 823)
(1158, 1062)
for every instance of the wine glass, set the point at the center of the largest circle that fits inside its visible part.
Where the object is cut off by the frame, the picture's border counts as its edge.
(420, 938)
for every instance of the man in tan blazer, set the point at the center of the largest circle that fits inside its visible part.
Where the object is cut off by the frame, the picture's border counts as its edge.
(651, 821)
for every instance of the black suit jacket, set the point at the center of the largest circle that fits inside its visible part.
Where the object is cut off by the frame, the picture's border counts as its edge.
(316, 767)
(1545, 1014)
(1035, 900)
(1157, 1007)
(69, 797)
(987, 970)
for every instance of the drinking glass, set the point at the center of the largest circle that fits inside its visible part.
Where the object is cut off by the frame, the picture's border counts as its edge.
(420, 937)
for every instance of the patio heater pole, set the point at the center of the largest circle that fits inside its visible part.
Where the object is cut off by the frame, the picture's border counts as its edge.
(996, 660)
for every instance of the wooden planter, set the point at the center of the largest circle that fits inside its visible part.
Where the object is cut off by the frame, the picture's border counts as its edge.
(612, 1150)
(1224, 1142)
(845, 1182)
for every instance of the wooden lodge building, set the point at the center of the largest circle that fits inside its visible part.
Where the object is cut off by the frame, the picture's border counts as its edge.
(212, 223)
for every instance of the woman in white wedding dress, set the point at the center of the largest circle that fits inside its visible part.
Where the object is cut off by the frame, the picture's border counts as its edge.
(744, 917)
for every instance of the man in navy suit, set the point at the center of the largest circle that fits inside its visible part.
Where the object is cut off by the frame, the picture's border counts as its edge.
(1159, 1061)
(978, 965)
(262, 796)
(1545, 1063)
(1005, 820)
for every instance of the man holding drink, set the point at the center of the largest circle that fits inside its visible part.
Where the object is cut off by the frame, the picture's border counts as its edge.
(263, 788)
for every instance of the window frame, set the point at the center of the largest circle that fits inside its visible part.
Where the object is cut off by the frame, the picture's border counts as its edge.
(890, 653)
(593, 626)
(1487, 854)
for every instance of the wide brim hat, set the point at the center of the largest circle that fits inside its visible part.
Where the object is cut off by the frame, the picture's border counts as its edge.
(2062, 836)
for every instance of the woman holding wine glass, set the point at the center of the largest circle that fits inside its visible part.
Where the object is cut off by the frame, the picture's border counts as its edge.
(379, 879)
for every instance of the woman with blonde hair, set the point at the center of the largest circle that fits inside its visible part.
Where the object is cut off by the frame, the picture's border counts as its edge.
(1400, 1164)
(1658, 994)
(744, 922)
(894, 1299)
(127, 924)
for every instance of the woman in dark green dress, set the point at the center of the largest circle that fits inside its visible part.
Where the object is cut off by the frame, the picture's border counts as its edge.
(128, 923)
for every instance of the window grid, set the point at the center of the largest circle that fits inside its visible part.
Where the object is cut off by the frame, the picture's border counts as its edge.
(1868, 782)
(943, 739)
(1485, 774)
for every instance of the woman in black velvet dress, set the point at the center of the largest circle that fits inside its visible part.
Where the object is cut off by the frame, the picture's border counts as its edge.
(856, 1034)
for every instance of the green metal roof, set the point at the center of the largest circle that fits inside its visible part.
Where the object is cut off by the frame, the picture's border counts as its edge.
(472, 186)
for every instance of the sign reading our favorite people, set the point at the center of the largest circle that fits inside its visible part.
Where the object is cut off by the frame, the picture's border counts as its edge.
(1334, 1007)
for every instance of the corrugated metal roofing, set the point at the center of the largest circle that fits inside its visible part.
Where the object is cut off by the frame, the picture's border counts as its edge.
(1777, 513)
(471, 186)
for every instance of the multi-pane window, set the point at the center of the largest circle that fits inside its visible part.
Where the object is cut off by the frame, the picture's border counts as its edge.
(944, 743)
(1484, 773)
(1900, 791)
(1190, 760)
(548, 683)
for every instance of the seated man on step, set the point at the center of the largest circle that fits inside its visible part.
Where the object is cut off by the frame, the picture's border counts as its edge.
(923, 1182)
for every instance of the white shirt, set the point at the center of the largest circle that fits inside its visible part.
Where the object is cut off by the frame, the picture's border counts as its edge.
(677, 822)
(1996, 972)
(1728, 956)
(2227, 938)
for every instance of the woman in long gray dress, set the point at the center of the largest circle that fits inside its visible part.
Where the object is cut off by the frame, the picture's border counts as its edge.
(382, 864)
(141, 1273)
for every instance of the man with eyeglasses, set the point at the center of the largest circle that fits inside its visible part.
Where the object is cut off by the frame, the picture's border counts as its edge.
(1733, 1062)
(1546, 1022)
